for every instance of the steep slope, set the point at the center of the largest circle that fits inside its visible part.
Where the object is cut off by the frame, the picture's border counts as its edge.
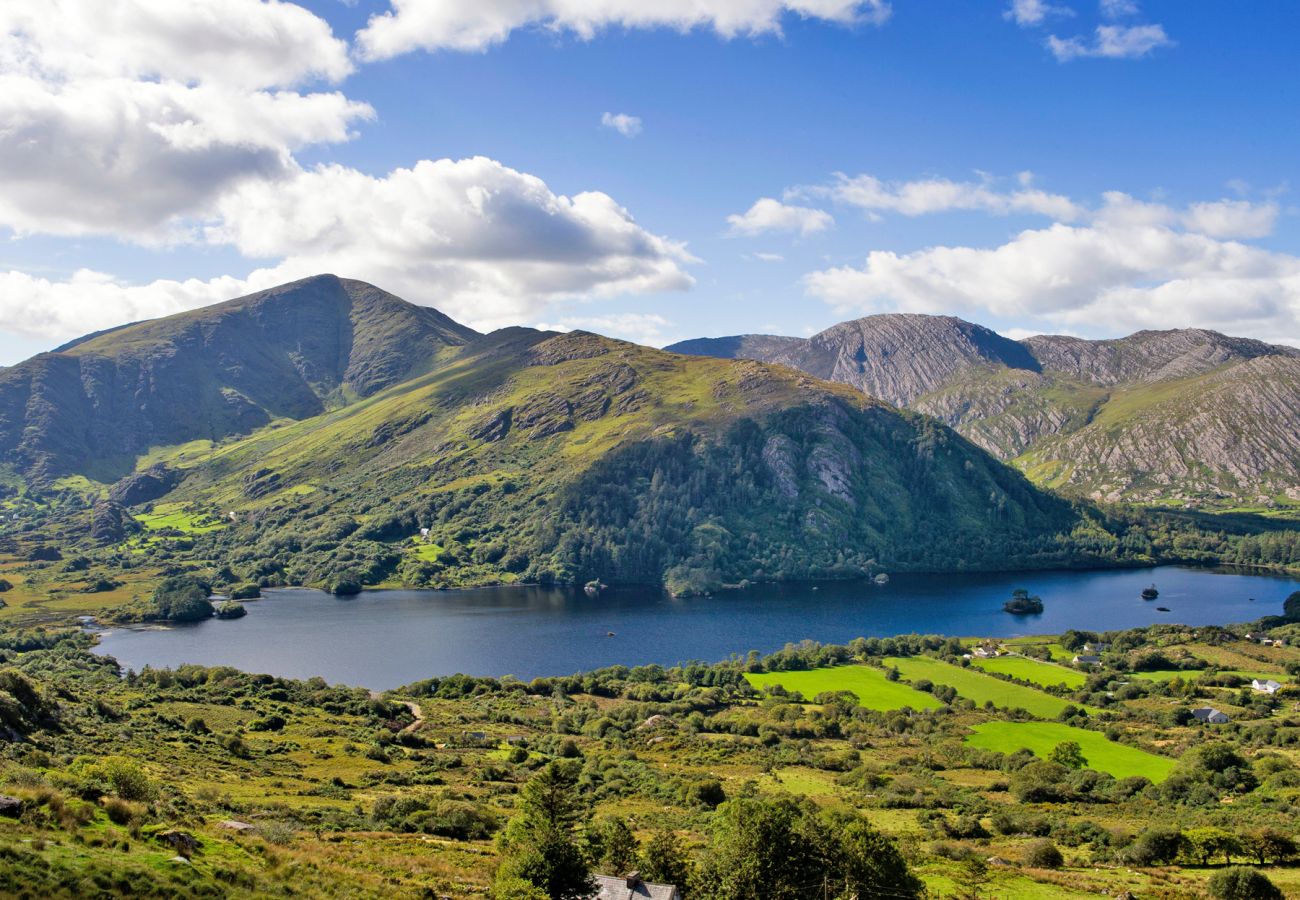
(1147, 356)
(572, 457)
(1228, 434)
(1186, 415)
(896, 357)
(289, 352)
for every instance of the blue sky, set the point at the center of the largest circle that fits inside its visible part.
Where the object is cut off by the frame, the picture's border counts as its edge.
(1078, 167)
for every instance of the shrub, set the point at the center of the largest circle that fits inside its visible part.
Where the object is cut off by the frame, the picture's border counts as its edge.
(245, 592)
(1242, 883)
(1044, 855)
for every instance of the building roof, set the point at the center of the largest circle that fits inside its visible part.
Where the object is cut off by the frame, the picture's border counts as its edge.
(631, 887)
(1209, 714)
(1087, 659)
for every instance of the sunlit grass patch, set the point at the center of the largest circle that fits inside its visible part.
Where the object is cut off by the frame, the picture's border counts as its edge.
(868, 684)
(979, 686)
(1043, 673)
(1102, 755)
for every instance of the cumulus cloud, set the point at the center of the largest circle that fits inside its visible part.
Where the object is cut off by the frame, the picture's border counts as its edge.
(639, 328)
(1111, 42)
(768, 215)
(485, 243)
(931, 195)
(438, 25)
(1114, 273)
(1026, 13)
(628, 126)
(1118, 9)
(120, 117)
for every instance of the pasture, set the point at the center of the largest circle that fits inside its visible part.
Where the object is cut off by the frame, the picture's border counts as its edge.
(978, 686)
(1039, 672)
(868, 684)
(1102, 755)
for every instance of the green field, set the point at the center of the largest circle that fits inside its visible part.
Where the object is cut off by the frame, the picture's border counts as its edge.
(1193, 674)
(1037, 671)
(979, 687)
(1102, 755)
(172, 516)
(867, 684)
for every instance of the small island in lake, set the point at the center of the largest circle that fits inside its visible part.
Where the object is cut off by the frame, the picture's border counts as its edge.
(1150, 593)
(1022, 603)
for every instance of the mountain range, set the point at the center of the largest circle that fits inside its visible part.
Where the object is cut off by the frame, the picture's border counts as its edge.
(326, 429)
(1185, 416)
(327, 432)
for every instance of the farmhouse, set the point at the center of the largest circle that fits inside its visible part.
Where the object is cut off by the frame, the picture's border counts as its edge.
(985, 651)
(1268, 686)
(1086, 659)
(631, 887)
(1097, 647)
(1210, 716)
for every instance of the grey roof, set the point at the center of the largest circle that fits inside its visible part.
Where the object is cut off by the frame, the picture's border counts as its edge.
(1209, 714)
(1084, 658)
(629, 887)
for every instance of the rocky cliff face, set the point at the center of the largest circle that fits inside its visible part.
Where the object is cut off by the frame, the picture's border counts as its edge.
(1185, 414)
(289, 352)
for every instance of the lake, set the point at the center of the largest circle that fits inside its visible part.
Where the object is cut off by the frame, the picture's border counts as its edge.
(383, 639)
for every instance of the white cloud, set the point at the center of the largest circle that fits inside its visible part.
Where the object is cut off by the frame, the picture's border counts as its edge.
(1026, 13)
(628, 126)
(769, 257)
(1117, 9)
(1232, 218)
(1220, 218)
(440, 25)
(1111, 42)
(486, 244)
(120, 117)
(767, 215)
(1114, 275)
(915, 198)
(639, 328)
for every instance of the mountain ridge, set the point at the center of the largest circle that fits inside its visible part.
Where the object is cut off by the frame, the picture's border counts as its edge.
(1023, 406)
(286, 352)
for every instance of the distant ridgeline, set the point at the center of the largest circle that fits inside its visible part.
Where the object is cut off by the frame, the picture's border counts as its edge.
(328, 433)
(1186, 416)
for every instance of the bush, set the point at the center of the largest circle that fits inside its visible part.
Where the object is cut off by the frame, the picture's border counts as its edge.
(231, 610)
(1044, 855)
(245, 592)
(1242, 883)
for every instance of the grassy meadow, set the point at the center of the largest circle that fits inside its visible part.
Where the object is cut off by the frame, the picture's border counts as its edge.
(866, 683)
(978, 686)
(1102, 755)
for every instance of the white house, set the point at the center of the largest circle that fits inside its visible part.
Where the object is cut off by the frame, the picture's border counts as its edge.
(631, 887)
(1266, 687)
(1210, 715)
(1098, 647)
(1086, 659)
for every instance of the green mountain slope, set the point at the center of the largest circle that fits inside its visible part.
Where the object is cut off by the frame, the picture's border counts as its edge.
(290, 352)
(1185, 416)
(573, 457)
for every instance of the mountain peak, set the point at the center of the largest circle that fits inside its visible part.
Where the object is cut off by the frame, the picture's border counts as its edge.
(289, 351)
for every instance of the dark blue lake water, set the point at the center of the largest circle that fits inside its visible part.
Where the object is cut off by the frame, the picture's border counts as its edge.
(383, 639)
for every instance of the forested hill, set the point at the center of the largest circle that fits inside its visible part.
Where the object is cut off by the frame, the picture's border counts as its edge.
(1187, 415)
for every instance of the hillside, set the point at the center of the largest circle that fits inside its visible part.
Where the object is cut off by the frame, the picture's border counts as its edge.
(1182, 416)
(573, 457)
(91, 407)
(400, 448)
